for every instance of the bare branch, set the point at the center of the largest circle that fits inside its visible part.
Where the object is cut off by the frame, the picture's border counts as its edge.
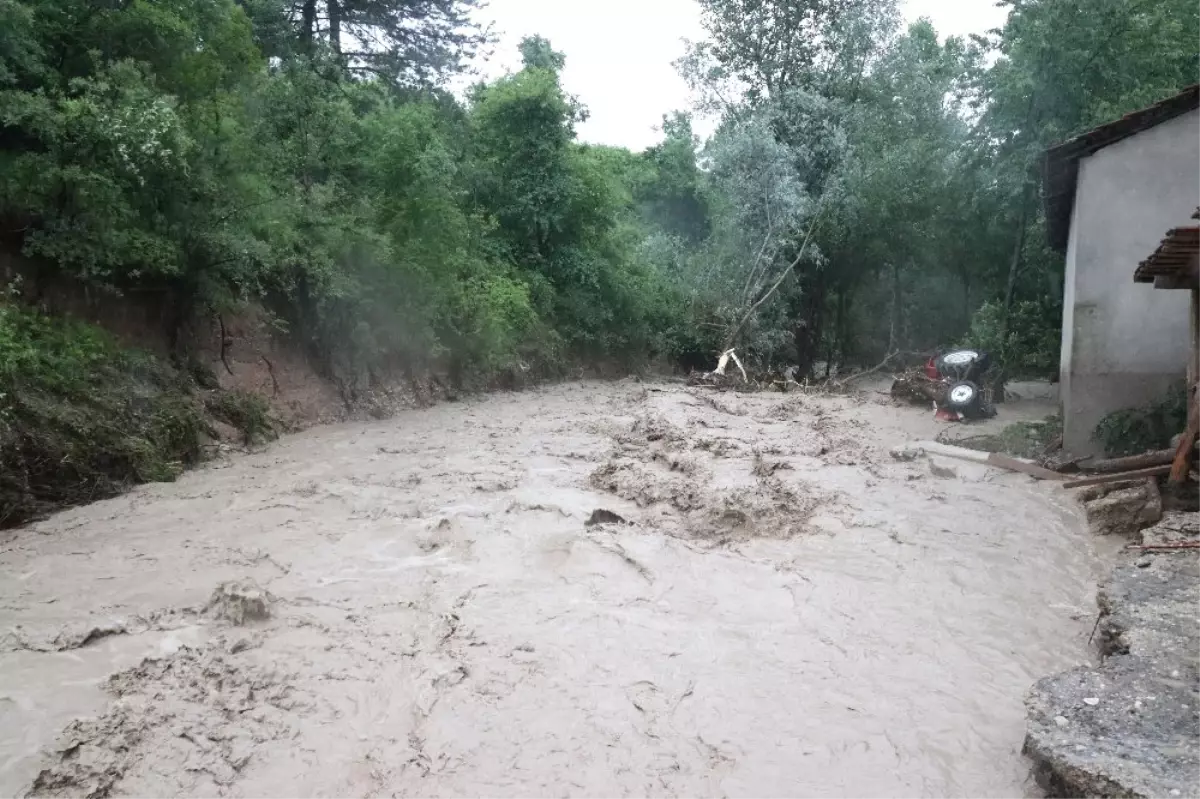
(733, 333)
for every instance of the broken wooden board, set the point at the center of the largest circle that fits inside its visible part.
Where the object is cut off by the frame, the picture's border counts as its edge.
(1117, 477)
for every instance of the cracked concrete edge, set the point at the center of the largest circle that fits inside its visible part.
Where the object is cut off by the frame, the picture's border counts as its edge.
(1130, 727)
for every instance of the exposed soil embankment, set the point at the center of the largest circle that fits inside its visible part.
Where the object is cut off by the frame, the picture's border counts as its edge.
(585, 589)
(1130, 727)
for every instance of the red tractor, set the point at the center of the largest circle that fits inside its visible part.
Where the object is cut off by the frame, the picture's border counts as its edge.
(962, 371)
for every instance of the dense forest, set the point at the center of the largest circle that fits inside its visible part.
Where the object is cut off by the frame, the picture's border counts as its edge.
(869, 189)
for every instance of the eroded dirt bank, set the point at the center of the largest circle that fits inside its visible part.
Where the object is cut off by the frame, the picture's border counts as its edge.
(787, 612)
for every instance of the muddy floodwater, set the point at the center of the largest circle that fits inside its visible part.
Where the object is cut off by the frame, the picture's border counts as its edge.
(770, 606)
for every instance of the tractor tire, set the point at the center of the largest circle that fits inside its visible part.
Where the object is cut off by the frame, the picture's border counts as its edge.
(964, 364)
(966, 398)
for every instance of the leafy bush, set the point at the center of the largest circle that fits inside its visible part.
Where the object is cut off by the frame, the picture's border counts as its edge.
(499, 328)
(1034, 337)
(248, 412)
(1131, 431)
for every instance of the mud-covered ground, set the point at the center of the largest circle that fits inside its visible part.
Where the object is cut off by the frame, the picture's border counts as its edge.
(784, 609)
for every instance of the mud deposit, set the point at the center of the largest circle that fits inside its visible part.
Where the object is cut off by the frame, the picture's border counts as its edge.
(768, 605)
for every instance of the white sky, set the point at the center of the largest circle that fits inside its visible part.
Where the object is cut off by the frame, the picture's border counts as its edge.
(619, 53)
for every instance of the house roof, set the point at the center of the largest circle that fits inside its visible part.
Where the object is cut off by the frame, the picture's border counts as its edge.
(1176, 261)
(1060, 166)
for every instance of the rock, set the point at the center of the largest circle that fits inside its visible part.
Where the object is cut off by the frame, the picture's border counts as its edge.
(604, 516)
(906, 452)
(1175, 526)
(239, 601)
(241, 643)
(941, 470)
(1122, 508)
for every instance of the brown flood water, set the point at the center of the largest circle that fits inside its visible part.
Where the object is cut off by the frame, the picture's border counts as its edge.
(788, 612)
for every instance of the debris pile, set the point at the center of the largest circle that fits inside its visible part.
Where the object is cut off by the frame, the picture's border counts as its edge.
(198, 709)
(239, 601)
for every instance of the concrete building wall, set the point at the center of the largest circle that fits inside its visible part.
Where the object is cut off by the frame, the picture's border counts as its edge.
(1125, 343)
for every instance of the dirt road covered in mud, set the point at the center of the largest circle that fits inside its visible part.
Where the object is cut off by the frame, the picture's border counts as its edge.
(785, 610)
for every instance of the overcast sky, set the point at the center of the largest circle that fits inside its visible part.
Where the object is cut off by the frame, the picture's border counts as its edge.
(619, 52)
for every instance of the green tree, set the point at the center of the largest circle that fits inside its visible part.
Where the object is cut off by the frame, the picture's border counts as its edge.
(401, 41)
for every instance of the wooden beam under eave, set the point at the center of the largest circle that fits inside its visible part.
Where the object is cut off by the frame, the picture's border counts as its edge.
(1183, 277)
(1176, 281)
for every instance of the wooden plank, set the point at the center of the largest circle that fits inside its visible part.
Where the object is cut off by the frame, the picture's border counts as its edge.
(1193, 367)
(1117, 477)
(1183, 454)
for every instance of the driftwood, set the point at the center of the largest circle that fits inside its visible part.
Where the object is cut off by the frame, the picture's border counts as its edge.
(849, 379)
(915, 386)
(723, 361)
(1142, 461)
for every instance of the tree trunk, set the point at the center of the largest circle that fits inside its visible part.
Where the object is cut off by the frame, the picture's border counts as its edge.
(843, 326)
(308, 25)
(966, 281)
(806, 309)
(1014, 269)
(335, 27)
(894, 327)
(836, 348)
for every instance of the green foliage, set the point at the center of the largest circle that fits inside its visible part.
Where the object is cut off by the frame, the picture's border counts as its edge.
(389, 231)
(1031, 347)
(536, 53)
(81, 418)
(670, 189)
(1135, 430)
